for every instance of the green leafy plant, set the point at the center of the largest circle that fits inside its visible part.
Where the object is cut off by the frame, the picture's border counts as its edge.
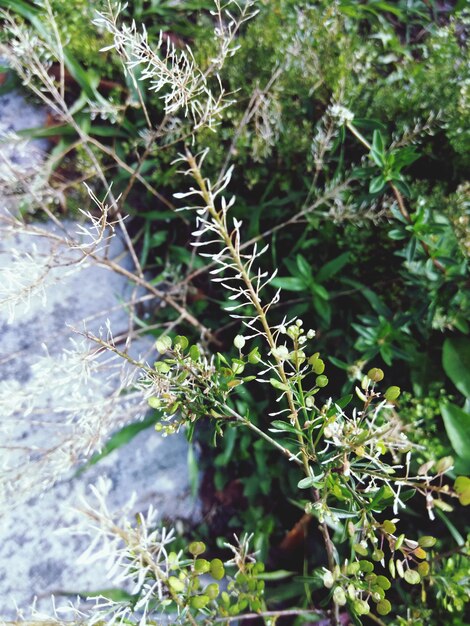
(310, 175)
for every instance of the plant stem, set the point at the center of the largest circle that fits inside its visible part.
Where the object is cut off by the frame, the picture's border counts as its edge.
(220, 221)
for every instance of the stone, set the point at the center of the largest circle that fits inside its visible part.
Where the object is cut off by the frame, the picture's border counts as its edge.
(50, 394)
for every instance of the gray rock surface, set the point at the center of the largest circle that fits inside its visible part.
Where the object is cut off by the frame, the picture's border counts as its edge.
(40, 390)
(16, 114)
(21, 180)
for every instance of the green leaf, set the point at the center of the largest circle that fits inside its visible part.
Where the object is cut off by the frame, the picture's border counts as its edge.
(310, 481)
(377, 158)
(452, 529)
(397, 234)
(378, 142)
(402, 187)
(344, 401)
(304, 267)
(462, 487)
(277, 384)
(377, 184)
(405, 156)
(289, 283)
(59, 130)
(338, 363)
(280, 426)
(279, 574)
(457, 425)
(456, 362)
(373, 299)
(332, 267)
(320, 291)
(224, 458)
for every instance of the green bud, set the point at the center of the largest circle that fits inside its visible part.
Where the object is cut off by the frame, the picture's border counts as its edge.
(383, 582)
(254, 357)
(328, 579)
(377, 555)
(196, 548)
(361, 607)
(239, 342)
(399, 541)
(182, 342)
(392, 393)
(427, 541)
(173, 560)
(319, 366)
(353, 568)
(314, 358)
(384, 607)
(389, 526)
(321, 381)
(212, 590)
(217, 569)
(423, 568)
(412, 577)
(163, 344)
(194, 353)
(378, 593)
(199, 602)
(444, 464)
(375, 374)
(420, 553)
(360, 549)
(154, 402)
(201, 566)
(366, 566)
(176, 584)
(339, 596)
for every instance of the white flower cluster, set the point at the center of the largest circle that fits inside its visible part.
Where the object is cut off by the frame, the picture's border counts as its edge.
(341, 114)
(173, 72)
(24, 280)
(65, 411)
(135, 555)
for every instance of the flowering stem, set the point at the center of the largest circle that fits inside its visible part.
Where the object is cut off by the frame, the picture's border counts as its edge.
(219, 219)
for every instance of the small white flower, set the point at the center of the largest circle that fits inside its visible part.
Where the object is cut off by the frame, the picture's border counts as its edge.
(341, 113)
